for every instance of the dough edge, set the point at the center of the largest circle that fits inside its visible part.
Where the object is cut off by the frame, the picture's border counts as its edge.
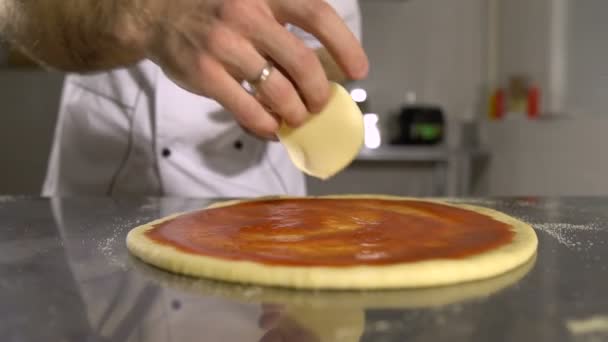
(429, 273)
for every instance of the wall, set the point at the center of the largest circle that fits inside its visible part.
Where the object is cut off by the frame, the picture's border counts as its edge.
(587, 53)
(561, 157)
(430, 47)
(28, 106)
(562, 154)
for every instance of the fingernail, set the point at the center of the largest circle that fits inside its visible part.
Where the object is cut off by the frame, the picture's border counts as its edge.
(362, 70)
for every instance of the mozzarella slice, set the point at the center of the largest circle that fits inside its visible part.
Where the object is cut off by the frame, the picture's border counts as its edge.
(330, 140)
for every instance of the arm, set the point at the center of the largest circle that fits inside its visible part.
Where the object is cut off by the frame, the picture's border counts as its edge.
(59, 34)
(72, 35)
(204, 46)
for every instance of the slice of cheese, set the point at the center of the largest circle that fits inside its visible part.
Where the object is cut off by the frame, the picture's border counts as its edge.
(330, 140)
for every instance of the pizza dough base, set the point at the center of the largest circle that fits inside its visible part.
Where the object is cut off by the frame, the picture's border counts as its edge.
(402, 275)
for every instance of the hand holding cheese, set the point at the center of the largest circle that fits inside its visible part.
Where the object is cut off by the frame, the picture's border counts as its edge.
(329, 140)
(208, 47)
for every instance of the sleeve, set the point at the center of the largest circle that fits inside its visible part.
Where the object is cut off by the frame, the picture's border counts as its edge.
(347, 9)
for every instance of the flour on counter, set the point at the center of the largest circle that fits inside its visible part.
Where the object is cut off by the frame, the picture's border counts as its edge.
(113, 243)
(594, 328)
(565, 233)
(107, 248)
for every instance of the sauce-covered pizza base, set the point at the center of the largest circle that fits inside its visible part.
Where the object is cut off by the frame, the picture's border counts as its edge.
(337, 242)
(331, 232)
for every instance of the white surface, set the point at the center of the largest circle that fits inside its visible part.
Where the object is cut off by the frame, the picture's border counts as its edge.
(547, 158)
(560, 44)
(587, 51)
(114, 130)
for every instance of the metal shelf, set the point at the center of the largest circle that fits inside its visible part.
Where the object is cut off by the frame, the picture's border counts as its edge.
(417, 153)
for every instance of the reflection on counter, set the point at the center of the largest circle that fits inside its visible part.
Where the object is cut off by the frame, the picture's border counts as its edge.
(329, 316)
(324, 299)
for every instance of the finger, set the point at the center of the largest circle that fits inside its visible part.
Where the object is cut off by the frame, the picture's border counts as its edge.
(244, 62)
(222, 87)
(235, 52)
(299, 62)
(282, 99)
(321, 20)
(269, 137)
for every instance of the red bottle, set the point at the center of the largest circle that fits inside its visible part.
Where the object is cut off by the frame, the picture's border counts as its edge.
(533, 102)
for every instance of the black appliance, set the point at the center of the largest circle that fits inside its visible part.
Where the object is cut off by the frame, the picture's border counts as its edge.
(419, 125)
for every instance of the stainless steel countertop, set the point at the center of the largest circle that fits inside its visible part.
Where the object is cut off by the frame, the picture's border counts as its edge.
(65, 275)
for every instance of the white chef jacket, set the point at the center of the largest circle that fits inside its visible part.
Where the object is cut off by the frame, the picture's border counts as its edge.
(133, 131)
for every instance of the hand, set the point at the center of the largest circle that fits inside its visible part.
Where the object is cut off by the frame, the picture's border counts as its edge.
(210, 46)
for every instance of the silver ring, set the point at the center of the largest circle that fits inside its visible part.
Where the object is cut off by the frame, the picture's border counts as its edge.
(263, 75)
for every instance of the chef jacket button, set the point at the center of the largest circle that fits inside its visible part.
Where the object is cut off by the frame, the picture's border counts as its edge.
(166, 152)
(238, 145)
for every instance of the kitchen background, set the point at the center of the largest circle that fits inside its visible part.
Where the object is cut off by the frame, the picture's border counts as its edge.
(451, 53)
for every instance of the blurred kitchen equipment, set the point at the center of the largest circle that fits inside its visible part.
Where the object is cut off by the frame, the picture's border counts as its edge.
(419, 125)
(521, 98)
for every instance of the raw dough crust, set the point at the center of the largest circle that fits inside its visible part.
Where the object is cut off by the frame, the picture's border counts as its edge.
(402, 275)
